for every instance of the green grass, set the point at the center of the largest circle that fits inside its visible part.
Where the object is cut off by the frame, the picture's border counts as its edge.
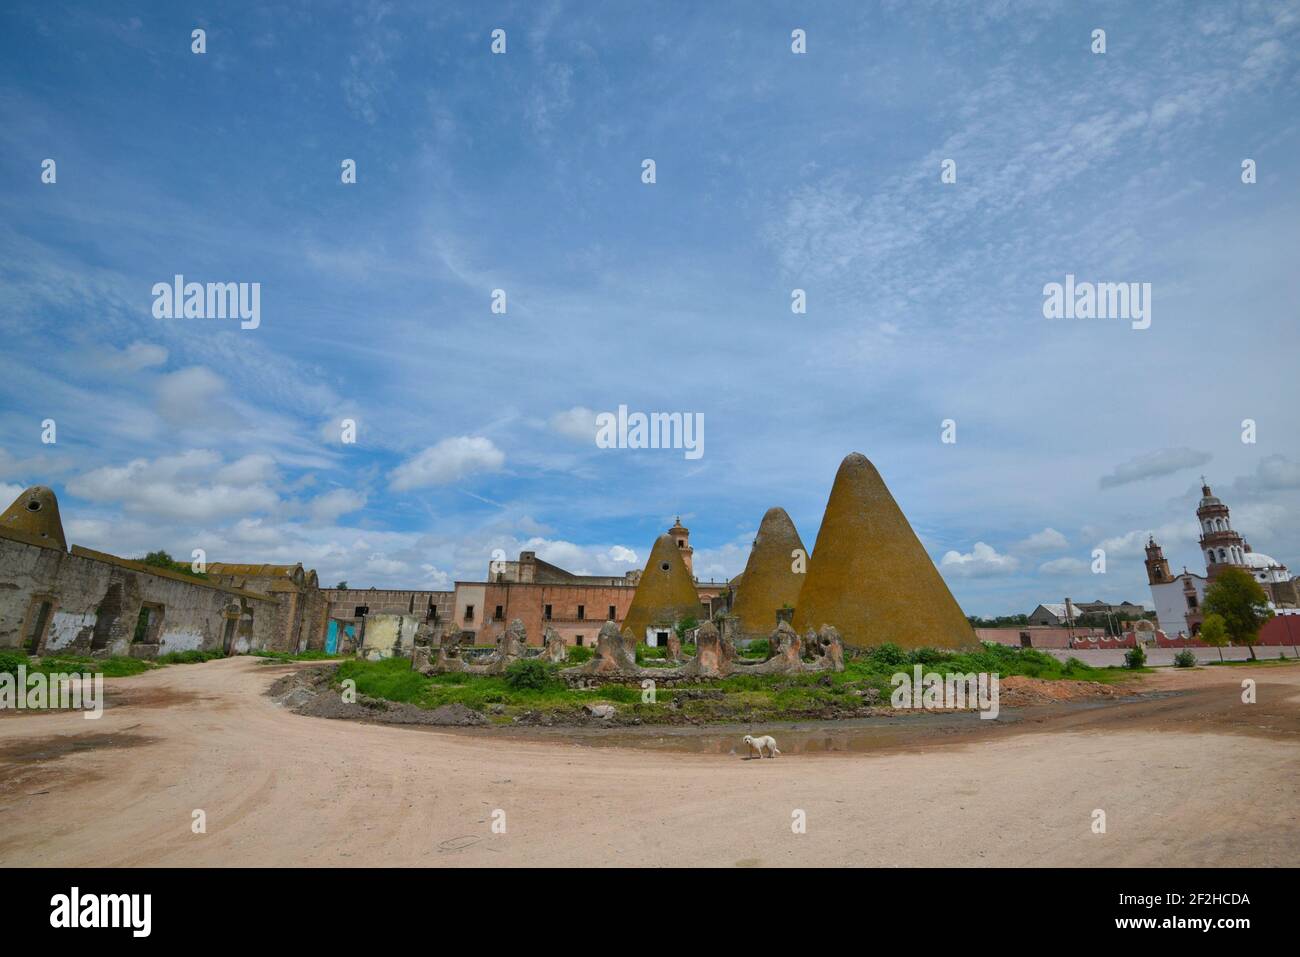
(767, 697)
(193, 657)
(118, 666)
(315, 655)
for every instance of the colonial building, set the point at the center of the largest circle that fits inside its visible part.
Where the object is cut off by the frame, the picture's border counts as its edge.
(542, 596)
(1179, 599)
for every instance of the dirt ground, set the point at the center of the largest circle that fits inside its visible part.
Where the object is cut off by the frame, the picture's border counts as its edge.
(1192, 778)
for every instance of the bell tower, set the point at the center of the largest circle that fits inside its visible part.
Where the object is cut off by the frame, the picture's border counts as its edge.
(1157, 566)
(1220, 544)
(682, 539)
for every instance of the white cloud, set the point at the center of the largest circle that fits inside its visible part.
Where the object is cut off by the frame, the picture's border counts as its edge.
(184, 486)
(1064, 566)
(1154, 465)
(980, 562)
(620, 554)
(448, 461)
(578, 423)
(134, 358)
(194, 398)
(328, 507)
(1047, 540)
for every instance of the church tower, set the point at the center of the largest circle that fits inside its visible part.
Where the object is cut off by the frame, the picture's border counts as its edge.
(682, 538)
(1221, 546)
(1157, 566)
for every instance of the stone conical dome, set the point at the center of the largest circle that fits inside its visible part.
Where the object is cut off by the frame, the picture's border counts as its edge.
(870, 576)
(35, 513)
(769, 580)
(665, 594)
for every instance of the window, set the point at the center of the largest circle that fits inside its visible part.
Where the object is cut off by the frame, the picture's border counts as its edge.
(360, 611)
(578, 638)
(1191, 601)
(500, 613)
(148, 625)
(546, 612)
(613, 613)
(582, 613)
(469, 612)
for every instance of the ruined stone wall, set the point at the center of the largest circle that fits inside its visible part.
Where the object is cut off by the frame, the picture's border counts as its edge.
(95, 602)
(343, 602)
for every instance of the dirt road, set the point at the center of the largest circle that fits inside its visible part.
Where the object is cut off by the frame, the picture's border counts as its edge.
(1197, 779)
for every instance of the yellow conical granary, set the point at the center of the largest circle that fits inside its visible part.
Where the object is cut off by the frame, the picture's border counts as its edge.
(35, 514)
(773, 575)
(665, 594)
(870, 576)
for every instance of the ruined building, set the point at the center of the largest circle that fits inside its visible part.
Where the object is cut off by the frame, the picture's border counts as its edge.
(870, 577)
(85, 602)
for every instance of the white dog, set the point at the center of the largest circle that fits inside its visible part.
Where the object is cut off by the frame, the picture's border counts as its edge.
(765, 746)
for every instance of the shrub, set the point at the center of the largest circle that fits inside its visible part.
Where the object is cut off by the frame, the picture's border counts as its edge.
(1184, 659)
(759, 648)
(925, 656)
(9, 662)
(1073, 664)
(888, 654)
(527, 674)
(577, 654)
(1135, 658)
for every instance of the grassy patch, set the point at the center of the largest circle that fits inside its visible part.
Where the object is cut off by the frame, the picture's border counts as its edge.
(294, 655)
(118, 666)
(192, 657)
(768, 697)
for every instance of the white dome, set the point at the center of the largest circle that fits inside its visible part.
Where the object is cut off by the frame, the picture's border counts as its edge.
(1260, 560)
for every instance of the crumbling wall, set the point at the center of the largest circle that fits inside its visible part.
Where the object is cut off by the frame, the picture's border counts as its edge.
(95, 602)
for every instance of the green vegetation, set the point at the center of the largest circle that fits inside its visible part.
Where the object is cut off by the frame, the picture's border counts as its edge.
(9, 662)
(118, 666)
(1214, 631)
(1242, 603)
(316, 655)
(161, 559)
(1184, 659)
(1135, 658)
(188, 657)
(534, 685)
(579, 654)
(759, 649)
(529, 674)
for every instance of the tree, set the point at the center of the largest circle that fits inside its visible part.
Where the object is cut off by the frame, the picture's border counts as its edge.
(1214, 632)
(342, 585)
(1242, 604)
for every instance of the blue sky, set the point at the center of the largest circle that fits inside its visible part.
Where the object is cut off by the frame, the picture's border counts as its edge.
(775, 171)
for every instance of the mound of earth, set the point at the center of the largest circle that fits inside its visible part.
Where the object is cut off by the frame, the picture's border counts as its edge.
(309, 692)
(1018, 690)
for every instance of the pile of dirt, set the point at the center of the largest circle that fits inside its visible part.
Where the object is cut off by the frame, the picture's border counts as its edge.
(1017, 691)
(309, 692)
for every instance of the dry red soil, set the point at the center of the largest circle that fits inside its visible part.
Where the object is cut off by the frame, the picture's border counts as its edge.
(1189, 779)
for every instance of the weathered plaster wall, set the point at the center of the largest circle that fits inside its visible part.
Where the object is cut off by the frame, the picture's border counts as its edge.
(95, 601)
(389, 636)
